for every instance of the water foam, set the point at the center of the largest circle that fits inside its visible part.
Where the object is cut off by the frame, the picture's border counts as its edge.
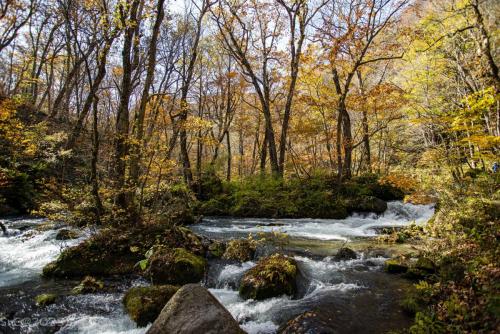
(356, 225)
(259, 317)
(23, 253)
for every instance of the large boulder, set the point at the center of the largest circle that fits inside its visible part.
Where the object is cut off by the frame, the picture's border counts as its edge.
(175, 266)
(143, 304)
(272, 276)
(116, 251)
(194, 310)
(240, 250)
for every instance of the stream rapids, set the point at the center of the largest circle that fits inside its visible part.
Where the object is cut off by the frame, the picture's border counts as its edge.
(356, 296)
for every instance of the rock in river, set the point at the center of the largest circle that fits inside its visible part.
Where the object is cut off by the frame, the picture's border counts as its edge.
(194, 310)
(144, 303)
(345, 253)
(175, 266)
(273, 276)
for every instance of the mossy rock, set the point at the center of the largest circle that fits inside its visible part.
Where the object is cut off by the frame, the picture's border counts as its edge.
(45, 299)
(366, 204)
(144, 304)
(115, 251)
(345, 253)
(66, 234)
(272, 276)
(175, 266)
(88, 285)
(216, 249)
(425, 264)
(395, 266)
(240, 250)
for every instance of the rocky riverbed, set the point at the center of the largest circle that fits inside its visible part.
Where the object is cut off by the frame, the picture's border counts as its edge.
(350, 296)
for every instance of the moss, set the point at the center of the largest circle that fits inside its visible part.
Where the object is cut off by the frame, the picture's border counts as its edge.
(395, 266)
(115, 251)
(45, 299)
(88, 285)
(175, 266)
(272, 276)
(318, 196)
(240, 250)
(216, 249)
(144, 304)
(425, 264)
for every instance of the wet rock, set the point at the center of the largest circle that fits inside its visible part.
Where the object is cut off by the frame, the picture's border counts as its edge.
(88, 285)
(395, 266)
(175, 266)
(307, 323)
(144, 304)
(367, 204)
(65, 234)
(194, 310)
(45, 299)
(240, 249)
(345, 253)
(272, 276)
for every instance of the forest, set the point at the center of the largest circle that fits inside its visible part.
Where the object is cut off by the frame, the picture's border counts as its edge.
(249, 166)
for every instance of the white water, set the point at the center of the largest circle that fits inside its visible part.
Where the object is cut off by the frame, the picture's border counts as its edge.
(357, 225)
(113, 321)
(23, 254)
(259, 317)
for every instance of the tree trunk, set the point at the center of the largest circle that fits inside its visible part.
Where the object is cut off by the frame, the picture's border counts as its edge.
(93, 165)
(139, 117)
(229, 156)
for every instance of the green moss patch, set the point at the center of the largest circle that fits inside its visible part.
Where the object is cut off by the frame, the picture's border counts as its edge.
(144, 304)
(273, 276)
(45, 299)
(175, 266)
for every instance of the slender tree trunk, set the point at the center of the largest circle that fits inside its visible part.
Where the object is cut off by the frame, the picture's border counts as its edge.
(140, 115)
(123, 199)
(229, 156)
(93, 164)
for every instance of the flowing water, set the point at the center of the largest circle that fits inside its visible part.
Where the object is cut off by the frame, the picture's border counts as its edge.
(356, 296)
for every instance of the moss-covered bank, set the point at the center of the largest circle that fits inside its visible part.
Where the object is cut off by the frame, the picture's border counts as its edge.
(314, 197)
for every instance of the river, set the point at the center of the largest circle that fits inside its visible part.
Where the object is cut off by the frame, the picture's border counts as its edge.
(356, 296)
